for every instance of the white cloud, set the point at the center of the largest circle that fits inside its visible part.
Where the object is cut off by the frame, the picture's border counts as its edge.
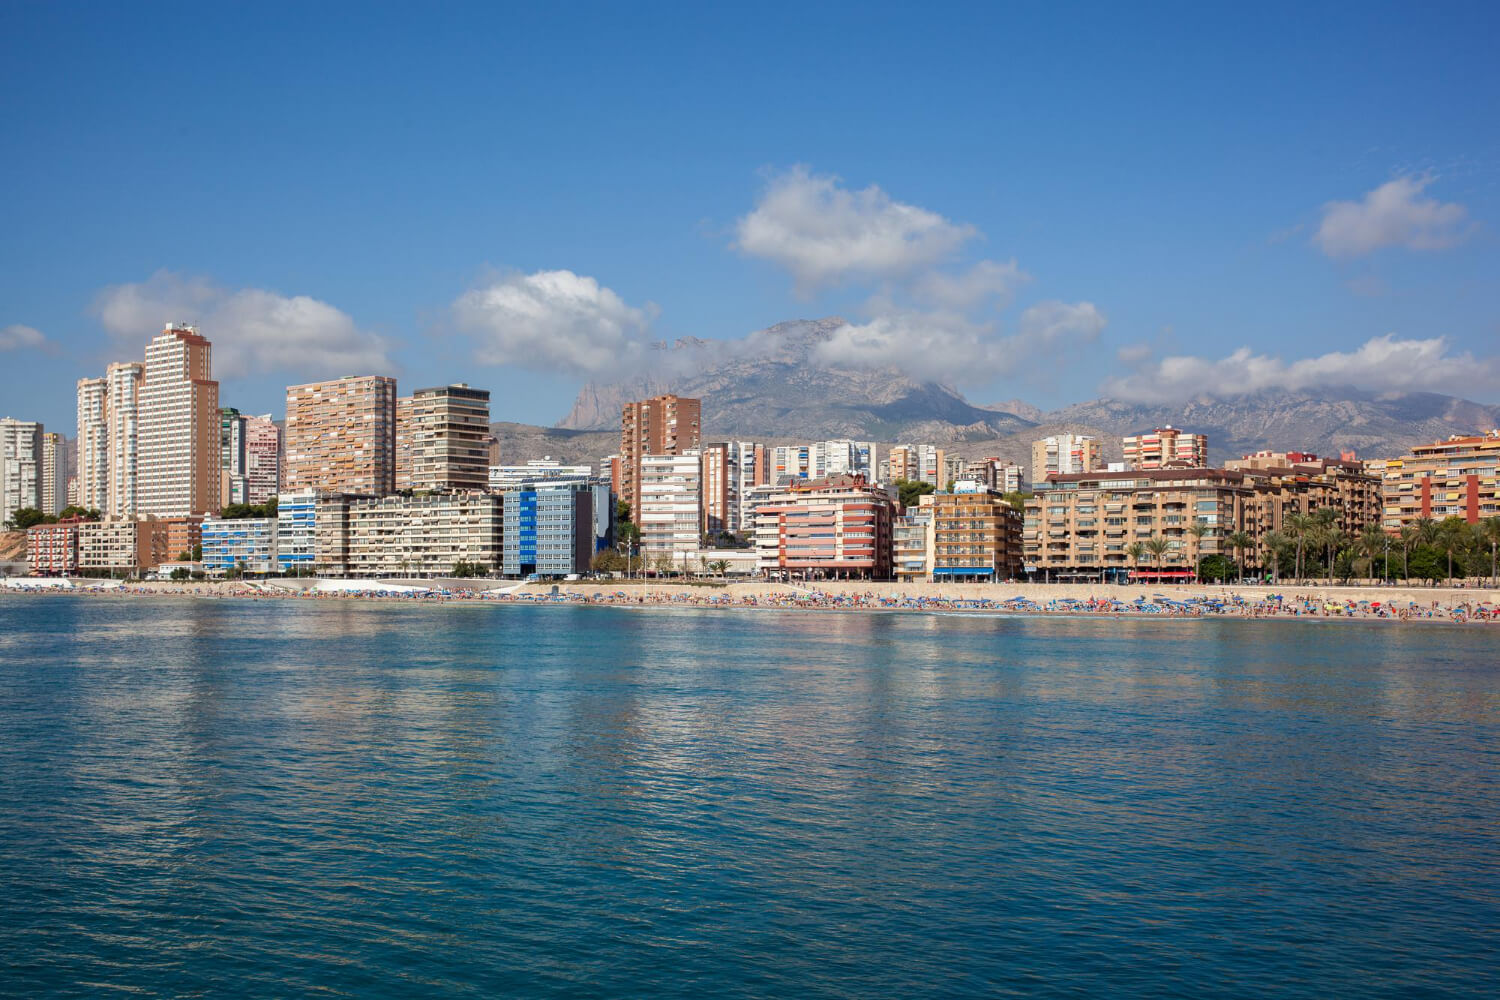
(254, 331)
(15, 337)
(988, 279)
(1048, 322)
(1380, 364)
(928, 346)
(825, 234)
(1394, 214)
(947, 346)
(553, 321)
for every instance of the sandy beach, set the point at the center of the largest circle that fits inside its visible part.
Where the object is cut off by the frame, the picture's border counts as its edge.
(1288, 601)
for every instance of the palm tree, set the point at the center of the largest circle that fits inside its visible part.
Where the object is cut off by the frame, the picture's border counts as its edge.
(1452, 535)
(1334, 540)
(1238, 541)
(1272, 542)
(1135, 550)
(1298, 526)
(1489, 530)
(1427, 530)
(1408, 539)
(1197, 529)
(1158, 548)
(1373, 540)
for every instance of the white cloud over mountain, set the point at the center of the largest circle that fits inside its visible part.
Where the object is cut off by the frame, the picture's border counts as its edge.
(16, 337)
(948, 346)
(1380, 364)
(1396, 214)
(254, 331)
(927, 316)
(553, 321)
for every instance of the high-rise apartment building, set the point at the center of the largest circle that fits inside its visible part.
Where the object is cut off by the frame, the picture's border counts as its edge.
(341, 436)
(123, 419)
(790, 461)
(20, 466)
(178, 460)
(841, 455)
(718, 482)
(232, 485)
(1065, 455)
(262, 458)
(925, 463)
(93, 444)
(997, 474)
(1459, 477)
(670, 502)
(932, 465)
(662, 425)
(54, 473)
(1164, 447)
(902, 462)
(442, 439)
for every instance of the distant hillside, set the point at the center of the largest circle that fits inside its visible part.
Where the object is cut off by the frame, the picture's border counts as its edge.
(1325, 423)
(768, 386)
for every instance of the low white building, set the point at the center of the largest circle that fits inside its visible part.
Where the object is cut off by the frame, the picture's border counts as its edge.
(423, 535)
(510, 477)
(244, 543)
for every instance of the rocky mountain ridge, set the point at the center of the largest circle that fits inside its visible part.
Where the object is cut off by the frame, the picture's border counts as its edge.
(773, 386)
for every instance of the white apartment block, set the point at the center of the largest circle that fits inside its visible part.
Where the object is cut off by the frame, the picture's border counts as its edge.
(1065, 455)
(123, 394)
(840, 456)
(670, 498)
(54, 473)
(93, 444)
(20, 466)
(790, 461)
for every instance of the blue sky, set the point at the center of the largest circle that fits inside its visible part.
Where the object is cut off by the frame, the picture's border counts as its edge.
(1044, 202)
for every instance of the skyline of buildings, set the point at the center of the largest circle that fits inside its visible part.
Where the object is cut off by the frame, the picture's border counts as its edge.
(155, 448)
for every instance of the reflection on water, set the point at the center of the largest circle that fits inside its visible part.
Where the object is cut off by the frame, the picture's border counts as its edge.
(373, 800)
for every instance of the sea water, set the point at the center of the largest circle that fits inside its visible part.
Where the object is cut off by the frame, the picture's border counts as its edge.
(367, 799)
